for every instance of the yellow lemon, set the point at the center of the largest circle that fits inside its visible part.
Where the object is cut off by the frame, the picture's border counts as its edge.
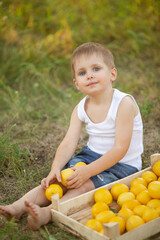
(133, 222)
(121, 223)
(159, 179)
(98, 207)
(132, 203)
(125, 213)
(102, 231)
(139, 210)
(94, 224)
(156, 168)
(124, 197)
(154, 189)
(135, 189)
(103, 195)
(79, 164)
(150, 214)
(117, 189)
(149, 176)
(158, 210)
(65, 174)
(154, 203)
(143, 197)
(53, 189)
(139, 181)
(105, 216)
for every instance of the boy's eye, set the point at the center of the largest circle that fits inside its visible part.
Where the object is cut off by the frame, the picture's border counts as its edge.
(96, 69)
(82, 73)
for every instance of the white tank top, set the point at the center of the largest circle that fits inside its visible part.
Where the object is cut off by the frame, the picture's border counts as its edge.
(102, 135)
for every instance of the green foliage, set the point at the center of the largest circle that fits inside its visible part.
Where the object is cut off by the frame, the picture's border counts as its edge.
(11, 156)
(9, 231)
(146, 108)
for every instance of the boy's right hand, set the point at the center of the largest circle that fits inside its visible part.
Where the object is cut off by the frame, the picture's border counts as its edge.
(52, 177)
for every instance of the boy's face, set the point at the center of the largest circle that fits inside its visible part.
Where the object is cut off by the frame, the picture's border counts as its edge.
(92, 75)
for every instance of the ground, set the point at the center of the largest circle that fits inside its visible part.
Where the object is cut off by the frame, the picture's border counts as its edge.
(42, 148)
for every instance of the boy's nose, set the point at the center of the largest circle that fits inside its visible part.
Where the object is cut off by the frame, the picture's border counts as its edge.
(89, 75)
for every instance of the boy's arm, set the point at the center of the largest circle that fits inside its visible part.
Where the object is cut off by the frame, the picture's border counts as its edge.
(65, 150)
(124, 129)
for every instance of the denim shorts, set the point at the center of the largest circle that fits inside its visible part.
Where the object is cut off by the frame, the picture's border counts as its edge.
(116, 172)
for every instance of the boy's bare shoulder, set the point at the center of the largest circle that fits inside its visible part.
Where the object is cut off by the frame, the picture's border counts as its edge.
(129, 105)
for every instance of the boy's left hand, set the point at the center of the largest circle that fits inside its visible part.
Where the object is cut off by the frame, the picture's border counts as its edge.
(78, 178)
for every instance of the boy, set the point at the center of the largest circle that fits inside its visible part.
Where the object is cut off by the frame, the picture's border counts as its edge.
(115, 129)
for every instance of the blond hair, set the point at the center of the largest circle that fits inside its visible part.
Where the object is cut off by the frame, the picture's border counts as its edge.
(92, 48)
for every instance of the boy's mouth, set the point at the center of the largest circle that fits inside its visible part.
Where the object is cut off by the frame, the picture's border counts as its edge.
(91, 83)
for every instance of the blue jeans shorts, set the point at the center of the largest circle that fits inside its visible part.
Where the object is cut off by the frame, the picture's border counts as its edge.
(116, 172)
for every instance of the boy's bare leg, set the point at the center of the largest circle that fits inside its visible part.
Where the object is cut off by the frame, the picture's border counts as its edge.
(40, 216)
(16, 209)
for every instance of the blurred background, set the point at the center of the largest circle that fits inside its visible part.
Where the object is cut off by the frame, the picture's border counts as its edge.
(37, 94)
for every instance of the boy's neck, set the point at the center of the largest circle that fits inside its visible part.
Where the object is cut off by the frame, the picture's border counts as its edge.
(106, 97)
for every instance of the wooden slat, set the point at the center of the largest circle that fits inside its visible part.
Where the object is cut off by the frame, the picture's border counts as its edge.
(75, 227)
(144, 231)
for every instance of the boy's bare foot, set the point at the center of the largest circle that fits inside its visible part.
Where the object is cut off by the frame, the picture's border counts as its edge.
(37, 216)
(9, 211)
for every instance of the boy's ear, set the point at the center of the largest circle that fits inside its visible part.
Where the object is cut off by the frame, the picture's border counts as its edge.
(113, 74)
(75, 82)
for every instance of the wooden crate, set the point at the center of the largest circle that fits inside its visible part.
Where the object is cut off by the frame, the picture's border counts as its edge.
(72, 215)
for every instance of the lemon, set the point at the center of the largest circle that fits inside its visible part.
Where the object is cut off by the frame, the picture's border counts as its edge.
(121, 223)
(105, 216)
(103, 195)
(53, 189)
(154, 203)
(150, 214)
(138, 181)
(139, 210)
(125, 213)
(79, 164)
(143, 197)
(154, 189)
(117, 189)
(98, 207)
(65, 174)
(156, 168)
(135, 189)
(132, 203)
(124, 197)
(159, 179)
(133, 222)
(149, 176)
(102, 231)
(158, 210)
(94, 224)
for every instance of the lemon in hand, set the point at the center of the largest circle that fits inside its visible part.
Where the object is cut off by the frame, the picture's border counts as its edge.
(65, 174)
(79, 164)
(53, 189)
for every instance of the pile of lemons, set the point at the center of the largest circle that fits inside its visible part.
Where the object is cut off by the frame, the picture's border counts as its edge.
(139, 203)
